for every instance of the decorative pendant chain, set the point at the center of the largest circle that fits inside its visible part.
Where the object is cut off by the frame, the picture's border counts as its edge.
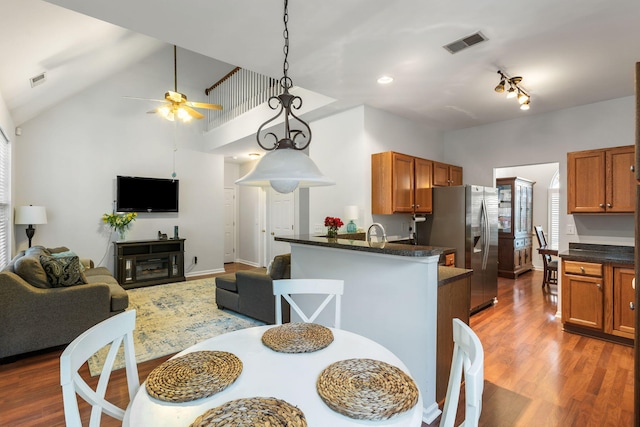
(286, 82)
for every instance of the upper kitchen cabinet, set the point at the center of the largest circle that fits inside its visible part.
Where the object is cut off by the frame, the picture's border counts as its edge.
(445, 175)
(601, 181)
(400, 184)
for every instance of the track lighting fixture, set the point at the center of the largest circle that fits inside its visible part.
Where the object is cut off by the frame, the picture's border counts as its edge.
(514, 89)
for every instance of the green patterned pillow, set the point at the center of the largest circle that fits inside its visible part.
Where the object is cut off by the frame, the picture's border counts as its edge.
(63, 271)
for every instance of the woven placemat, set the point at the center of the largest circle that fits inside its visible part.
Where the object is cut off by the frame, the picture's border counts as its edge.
(366, 389)
(297, 337)
(193, 376)
(251, 412)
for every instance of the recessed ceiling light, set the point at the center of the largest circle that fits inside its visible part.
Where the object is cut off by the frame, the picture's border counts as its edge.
(254, 155)
(385, 80)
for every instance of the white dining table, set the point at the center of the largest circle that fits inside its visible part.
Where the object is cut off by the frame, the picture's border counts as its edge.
(268, 373)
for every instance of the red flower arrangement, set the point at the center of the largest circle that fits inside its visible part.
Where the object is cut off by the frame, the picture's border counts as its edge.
(333, 224)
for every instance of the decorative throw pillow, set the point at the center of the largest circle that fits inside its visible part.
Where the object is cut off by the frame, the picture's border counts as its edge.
(66, 254)
(62, 271)
(31, 271)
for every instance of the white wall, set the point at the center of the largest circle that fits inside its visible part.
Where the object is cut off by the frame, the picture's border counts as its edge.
(342, 148)
(546, 138)
(68, 157)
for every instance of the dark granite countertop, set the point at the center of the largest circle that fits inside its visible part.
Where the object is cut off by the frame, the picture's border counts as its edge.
(386, 248)
(599, 253)
(451, 274)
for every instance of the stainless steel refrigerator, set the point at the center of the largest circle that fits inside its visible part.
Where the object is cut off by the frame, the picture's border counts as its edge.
(466, 218)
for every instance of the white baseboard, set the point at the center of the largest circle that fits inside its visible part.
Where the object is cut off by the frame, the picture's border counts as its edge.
(251, 263)
(204, 272)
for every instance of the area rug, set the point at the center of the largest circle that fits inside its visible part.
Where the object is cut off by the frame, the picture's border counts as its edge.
(172, 317)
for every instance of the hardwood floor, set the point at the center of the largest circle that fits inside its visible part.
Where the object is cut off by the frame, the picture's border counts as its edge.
(535, 374)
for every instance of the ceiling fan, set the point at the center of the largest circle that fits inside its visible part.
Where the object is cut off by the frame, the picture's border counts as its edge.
(176, 104)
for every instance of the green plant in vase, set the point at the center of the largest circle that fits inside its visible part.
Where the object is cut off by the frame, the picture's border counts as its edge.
(119, 222)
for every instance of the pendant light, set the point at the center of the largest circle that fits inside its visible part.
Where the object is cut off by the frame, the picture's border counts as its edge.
(285, 167)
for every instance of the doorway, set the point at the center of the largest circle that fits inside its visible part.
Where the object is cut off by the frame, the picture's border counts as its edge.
(280, 221)
(229, 225)
(546, 210)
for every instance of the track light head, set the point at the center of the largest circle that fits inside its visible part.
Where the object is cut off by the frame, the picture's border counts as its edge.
(514, 89)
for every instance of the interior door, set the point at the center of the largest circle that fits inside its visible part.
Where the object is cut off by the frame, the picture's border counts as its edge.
(281, 221)
(229, 224)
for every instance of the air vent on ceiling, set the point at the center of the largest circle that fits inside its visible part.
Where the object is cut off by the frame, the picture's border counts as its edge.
(38, 80)
(465, 42)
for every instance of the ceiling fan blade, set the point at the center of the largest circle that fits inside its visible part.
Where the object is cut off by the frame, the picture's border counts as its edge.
(193, 113)
(204, 105)
(145, 99)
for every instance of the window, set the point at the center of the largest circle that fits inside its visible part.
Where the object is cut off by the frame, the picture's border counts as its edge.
(5, 199)
(553, 235)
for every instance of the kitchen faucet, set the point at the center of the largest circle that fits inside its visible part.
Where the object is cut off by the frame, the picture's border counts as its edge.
(378, 225)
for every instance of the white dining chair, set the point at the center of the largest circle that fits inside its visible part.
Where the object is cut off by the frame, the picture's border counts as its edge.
(468, 356)
(115, 330)
(286, 287)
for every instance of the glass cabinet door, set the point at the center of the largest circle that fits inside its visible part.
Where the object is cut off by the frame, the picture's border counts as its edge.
(504, 209)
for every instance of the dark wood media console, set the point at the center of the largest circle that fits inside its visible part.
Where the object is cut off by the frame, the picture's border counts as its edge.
(149, 262)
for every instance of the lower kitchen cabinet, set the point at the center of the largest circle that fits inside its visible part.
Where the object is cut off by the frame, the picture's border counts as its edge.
(597, 300)
(623, 299)
(453, 302)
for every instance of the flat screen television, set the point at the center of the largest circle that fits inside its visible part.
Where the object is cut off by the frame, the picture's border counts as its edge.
(137, 194)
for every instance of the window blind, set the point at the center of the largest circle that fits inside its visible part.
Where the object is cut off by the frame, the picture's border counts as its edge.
(5, 198)
(554, 218)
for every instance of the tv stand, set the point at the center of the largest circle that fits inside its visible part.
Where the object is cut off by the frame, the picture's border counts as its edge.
(149, 262)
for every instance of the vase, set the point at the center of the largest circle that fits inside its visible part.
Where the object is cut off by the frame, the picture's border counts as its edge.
(122, 234)
(332, 233)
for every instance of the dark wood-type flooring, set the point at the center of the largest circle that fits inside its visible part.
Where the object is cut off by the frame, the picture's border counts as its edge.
(535, 374)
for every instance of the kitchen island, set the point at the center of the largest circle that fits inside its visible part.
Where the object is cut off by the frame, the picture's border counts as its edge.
(390, 296)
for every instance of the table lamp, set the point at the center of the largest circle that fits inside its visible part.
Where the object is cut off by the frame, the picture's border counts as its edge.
(351, 214)
(30, 215)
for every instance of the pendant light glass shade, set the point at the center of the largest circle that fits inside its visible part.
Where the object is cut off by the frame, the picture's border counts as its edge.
(285, 169)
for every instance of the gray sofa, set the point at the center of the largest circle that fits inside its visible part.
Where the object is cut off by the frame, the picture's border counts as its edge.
(250, 292)
(48, 306)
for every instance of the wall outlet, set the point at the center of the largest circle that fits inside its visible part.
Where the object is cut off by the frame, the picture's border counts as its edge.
(571, 229)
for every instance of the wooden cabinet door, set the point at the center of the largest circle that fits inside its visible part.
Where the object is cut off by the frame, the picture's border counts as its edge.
(403, 183)
(423, 192)
(623, 297)
(583, 301)
(620, 183)
(440, 174)
(586, 181)
(455, 175)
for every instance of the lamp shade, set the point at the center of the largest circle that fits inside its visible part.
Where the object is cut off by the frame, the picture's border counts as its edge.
(351, 212)
(30, 215)
(285, 169)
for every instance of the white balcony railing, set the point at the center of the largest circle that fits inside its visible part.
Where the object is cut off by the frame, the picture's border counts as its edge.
(238, 92)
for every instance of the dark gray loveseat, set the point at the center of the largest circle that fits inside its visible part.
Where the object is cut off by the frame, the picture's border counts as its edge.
(250, 292)
(35, 316)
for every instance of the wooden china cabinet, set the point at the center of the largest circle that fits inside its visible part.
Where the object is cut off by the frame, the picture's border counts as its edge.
(515, 225)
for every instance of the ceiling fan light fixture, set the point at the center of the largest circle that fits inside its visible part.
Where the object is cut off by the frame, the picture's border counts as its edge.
(500, 87)
(525, 106)
(511, 93)
(522, 97)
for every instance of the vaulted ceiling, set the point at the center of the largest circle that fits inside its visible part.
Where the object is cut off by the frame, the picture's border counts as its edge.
(568, 53)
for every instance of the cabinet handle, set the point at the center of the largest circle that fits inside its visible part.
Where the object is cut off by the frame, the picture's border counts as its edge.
(417, 206)
(599, 285)
(633, 168)
(601, 205)
(608, 205)
(632, 306)
(582, 270)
